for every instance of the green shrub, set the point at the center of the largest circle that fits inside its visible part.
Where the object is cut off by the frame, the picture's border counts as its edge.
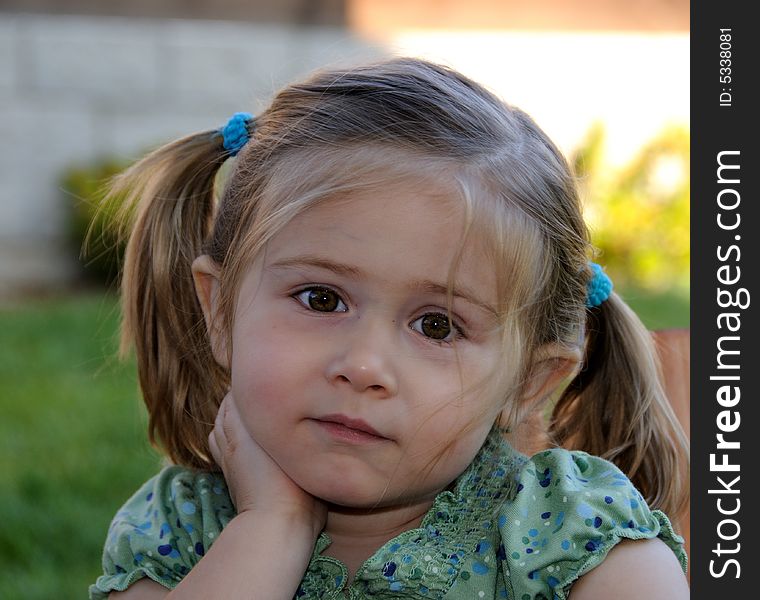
(90, 230)
(639, 214)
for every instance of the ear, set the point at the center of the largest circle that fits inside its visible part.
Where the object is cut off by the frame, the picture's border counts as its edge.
(553, 365)
(206, 277)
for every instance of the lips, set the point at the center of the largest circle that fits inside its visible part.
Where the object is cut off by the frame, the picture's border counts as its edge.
(357, 426)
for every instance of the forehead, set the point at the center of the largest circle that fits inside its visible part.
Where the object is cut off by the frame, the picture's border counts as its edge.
(396, 233)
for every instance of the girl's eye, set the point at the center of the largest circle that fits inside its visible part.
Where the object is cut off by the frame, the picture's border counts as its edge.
(437, 327)
(321, 299)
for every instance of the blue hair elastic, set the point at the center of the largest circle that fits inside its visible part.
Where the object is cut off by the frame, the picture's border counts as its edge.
(235, 132)
(599, 287)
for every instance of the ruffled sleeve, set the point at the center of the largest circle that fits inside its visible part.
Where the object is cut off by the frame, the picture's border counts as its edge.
(570, 510)
(163, 530)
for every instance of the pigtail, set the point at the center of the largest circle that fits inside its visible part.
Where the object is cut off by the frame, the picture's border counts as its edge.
(615, 407)
(166, 206)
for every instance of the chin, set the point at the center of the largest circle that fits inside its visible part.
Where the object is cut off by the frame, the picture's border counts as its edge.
(351, 497)
(343, 492)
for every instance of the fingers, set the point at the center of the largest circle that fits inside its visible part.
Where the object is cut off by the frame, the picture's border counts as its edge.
(217, 439)
(231, 421)
(228, 431)
(234, 430)
(216, 453)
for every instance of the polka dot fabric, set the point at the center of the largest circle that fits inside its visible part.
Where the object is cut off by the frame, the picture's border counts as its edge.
(569, 512)
(164, 529)
(510, 527)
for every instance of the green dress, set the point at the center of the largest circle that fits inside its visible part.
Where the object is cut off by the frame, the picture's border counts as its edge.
(510, 527)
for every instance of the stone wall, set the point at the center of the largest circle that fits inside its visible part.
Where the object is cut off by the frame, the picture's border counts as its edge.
(76, 88)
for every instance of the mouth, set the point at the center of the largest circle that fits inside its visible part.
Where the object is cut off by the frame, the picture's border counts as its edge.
(347, 429)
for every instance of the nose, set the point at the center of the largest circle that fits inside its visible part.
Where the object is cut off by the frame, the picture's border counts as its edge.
(364, 362)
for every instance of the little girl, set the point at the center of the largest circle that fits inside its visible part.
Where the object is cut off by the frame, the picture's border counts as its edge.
(395, 275)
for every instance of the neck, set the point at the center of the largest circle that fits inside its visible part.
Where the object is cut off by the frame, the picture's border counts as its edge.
(357, 533)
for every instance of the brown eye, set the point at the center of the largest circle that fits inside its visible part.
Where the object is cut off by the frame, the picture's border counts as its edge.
(433, 325)
(321, 299)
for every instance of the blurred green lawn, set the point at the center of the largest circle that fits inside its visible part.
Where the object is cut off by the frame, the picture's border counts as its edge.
(72, 437)
(72, 443)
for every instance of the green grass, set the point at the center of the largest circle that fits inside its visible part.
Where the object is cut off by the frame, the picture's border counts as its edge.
(72, 443)
(72, 437)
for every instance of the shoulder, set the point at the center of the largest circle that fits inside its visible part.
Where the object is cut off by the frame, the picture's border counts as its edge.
(635, 569)
(164, 529)
(569, 511)
(578, 484)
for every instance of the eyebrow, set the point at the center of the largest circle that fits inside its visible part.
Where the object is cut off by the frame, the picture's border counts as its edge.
(424, 285)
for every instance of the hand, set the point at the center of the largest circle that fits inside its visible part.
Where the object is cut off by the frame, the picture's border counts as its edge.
(256, 482)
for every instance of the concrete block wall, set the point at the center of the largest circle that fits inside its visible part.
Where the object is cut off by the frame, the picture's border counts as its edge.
(73, 89)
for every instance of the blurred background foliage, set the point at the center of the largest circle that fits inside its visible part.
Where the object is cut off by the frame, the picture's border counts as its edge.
(639, 214)
(90, 229)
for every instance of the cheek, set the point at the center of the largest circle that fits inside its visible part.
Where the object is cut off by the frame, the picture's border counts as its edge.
(445, 404)
(463, 392)
(457, 421)
(444, 447)
(454, 424)
(268, 367)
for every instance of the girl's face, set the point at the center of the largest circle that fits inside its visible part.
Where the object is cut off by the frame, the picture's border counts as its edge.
(345, 366)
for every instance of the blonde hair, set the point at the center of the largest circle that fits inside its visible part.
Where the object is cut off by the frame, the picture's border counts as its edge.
(330, 135)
